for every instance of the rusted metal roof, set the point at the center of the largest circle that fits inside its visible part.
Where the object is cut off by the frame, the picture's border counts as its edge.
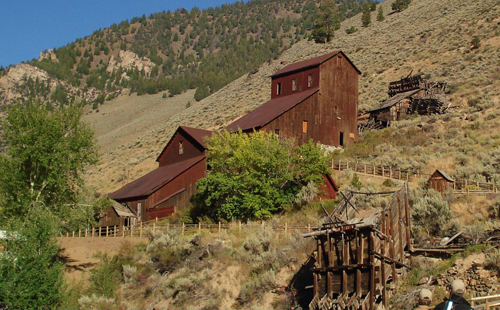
(312, 62)
(397, 98)
(152, 181)
(270, 111)
(198, 136)
(445, 175)
(123, 211)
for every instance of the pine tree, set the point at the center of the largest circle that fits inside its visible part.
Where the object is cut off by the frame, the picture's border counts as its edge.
(380, 14)
(366, 19)
(327, 22)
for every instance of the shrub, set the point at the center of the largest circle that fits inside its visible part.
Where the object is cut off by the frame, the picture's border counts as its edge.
(475, 43)
(351, 30)
(431, 212)
(105, 277)
(493, 260)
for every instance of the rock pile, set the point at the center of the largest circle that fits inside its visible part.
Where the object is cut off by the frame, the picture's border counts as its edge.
(478, 281)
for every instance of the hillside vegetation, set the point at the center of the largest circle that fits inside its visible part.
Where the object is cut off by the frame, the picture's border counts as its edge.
(175, 51)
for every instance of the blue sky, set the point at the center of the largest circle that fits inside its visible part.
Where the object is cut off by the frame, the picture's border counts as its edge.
(28, 27)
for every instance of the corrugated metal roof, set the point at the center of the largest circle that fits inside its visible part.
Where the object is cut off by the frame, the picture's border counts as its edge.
(312, 62)
(197, 134)
(445, 175)
(150, 182)
(270, 111)
(123, 211)
(397, 98)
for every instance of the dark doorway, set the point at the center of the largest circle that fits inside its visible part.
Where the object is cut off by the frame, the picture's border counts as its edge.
(341, 140)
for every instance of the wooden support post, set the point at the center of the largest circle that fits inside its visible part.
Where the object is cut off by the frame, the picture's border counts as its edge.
(114, 231)
(154, 228)
(399, 178)
(99, 232)
(372, 270)
(67, 234)
(347, 164)
(365, 168)
(309, 227)
(140, 230)
(156, 219)
(107, 231)
(73, 232)
(85, 232)
(93, 231)
(356, 166)
(219, 226)
(131, 230)
(123, 231)
(239, 226)
(199, 226)
(286, 228)
(79, 233)
(168, 226)
(183, 228)
(374, 170)
(383, 171)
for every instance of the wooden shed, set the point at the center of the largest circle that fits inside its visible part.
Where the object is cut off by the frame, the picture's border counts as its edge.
(118, 215)
(441, 182)
(312, 99)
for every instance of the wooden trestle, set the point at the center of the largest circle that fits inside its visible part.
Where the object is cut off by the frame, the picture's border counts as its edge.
(358, 260)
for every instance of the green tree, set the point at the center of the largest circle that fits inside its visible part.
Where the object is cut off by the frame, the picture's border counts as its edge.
(255, 176)
(31, 274)
(327, 22)
(46, 154)
(400, 5)
(366, 18)
(380, 14)
(201, 92)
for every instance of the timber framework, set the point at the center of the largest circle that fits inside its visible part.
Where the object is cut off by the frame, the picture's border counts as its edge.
(358, 261)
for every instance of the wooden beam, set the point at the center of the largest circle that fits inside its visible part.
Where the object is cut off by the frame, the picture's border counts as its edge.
(380, 256)
(342, 267)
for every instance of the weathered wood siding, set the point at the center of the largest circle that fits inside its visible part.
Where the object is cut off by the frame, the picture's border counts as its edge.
(338, 95)
(171, 154)
(111, 219)
(439, 183)
(286, 82)
(185, 182)
(290, 124)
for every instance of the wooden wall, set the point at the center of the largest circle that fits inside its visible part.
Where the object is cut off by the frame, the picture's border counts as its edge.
(439, 183)
(171, 154)
(286, 82)
(338, 100)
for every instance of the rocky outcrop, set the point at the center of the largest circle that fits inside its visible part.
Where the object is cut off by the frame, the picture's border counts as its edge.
(129, 60)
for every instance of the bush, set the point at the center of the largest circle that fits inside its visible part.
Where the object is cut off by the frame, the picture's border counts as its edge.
(493, 260)
(105, 277)
(431, 212)
(351, 30)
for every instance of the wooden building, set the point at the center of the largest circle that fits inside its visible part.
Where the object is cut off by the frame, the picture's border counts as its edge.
(168, 188)
(440, 181)
(313, 99)
(360, 260)
(410, 95)
(118, 215)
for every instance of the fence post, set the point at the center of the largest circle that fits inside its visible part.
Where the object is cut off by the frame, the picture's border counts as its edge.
(156, 219)
(73, 233)
(309, 227)
(114, 230)
(107, 231)
(123, 231)
(168, 226)
(383, 171)
(93, 231)
(347, 164)
(99, 232)
(365, 168)
(131, 230)
(263, 227)
(356, 166)
(239, 225)
(399, 174)
(286, 228)
(219, 226)
(140, 230)
(374, 170)
(154, 228)
(85, 232)
(79, 233)
(199, 226)
(183, 228)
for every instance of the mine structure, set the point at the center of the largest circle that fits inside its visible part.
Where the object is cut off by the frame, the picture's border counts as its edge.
(412, 95)
(358, 260)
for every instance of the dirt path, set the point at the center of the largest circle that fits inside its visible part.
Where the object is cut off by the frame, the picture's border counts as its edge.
(79, 253)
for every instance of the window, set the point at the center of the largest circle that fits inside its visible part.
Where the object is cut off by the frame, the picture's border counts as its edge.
(278, 89)
(277, 133)
(181, 147)
(304, 126)
(310, 80)
(294, 84)
(341, 139)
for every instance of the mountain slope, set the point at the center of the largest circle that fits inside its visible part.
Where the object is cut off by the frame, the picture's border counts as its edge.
(431, 37)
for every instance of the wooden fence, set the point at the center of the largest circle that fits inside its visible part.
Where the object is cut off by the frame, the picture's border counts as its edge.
(460, 186)
(387, 172)
(486, 302)
(140, 229)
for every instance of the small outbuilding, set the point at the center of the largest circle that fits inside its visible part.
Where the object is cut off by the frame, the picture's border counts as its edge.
(440, 181)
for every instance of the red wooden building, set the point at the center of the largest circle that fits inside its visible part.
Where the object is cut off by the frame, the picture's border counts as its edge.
(169, 187)
(312, 99)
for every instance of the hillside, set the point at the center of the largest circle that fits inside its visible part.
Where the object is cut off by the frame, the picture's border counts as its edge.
(167, 51)
(428, 37)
